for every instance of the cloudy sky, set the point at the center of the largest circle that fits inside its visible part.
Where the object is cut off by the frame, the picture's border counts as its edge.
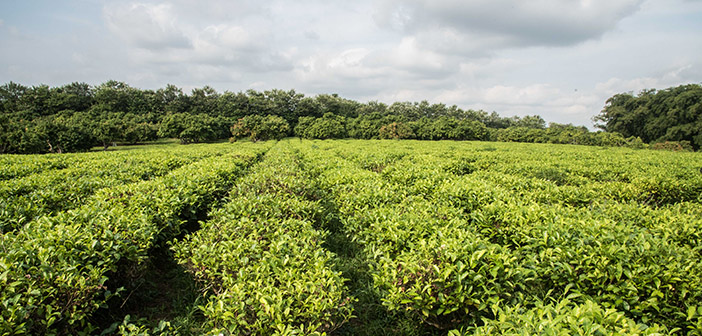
(560, 59)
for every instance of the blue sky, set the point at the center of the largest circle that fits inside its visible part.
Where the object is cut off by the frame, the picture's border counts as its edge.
(560, 59)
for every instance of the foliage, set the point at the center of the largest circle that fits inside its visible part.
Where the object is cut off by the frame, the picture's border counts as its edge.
(561, 318)
(77, 116)
(359, 237)
(673, 114)
(65, 185)
(55, 270)
(676, 146)
(329, 126)
(260, 128)
(263, 259)
(192, 128)
(396, 131)
(521, 225)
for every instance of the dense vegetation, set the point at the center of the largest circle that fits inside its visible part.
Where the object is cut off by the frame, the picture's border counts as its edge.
(352, 237)
(673, 114)
(77, 117)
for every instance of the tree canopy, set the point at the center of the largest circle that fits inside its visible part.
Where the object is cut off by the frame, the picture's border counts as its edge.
(78, 116)
(673, 114)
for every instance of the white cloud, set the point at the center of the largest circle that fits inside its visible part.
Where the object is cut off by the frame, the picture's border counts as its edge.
(147, 26)
(166, 34)
(411, 57)
(670, 78)
(506, 23)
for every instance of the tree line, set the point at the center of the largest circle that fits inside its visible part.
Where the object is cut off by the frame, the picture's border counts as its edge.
(78, 116)
(657, 116)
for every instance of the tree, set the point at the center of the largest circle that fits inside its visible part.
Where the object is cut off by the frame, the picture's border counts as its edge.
(472, 130)
(329, 126)
(171, 99)
(534, 121)
(66, 131)
(366, 126)
(396, 130)
(673, 114)
(423, 128)
(189, 128)
(75, 96)
(135, 131)
(232, 105)
(493, 120)
(260, 128)
(338, 106)
(108, 131)
(10, 97)
(204, 101)
(284, 104)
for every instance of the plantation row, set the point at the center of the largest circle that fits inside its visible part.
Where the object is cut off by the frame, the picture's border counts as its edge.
(62, 182)
(374, 237)
(262, 255)
(55, 271)
(456, 239)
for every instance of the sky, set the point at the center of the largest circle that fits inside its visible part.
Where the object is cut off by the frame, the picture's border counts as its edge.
(560, 59)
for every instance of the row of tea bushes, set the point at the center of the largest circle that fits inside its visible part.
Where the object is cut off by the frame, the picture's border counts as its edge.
(423, 222)
(54, 190)
(560, 318)
(569, 175)
(643, 272)
(640, 257)
(54, 272)
(261, 256)
(16, 166)
(422, 255)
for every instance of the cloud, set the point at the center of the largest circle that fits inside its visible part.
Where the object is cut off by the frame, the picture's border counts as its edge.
(147, 26)
(689, 73)
(312, 35)
(221, 11)
(179, 34)
(468, 26)
(410, 56)
(346, 68)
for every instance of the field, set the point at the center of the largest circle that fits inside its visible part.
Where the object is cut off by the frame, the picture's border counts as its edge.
(352, 237)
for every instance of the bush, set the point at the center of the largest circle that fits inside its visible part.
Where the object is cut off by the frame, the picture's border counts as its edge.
(396, 131)
(675, 146)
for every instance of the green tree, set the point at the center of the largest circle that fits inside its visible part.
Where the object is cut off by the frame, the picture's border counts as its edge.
(329, 126)
(338, 106)
(171, 99)
(534, 121)
(673, 114)
(366, 126)
(396, 130)
(108, 131)
(11, 95)
(204, 101)
(189, 128)
(66, 131)
(260, 128)
(75, 96)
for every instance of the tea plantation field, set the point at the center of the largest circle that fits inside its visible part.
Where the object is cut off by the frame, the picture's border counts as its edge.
(352, 237)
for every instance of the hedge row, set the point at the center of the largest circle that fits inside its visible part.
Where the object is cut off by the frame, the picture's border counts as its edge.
(261, 256)
(54, 272)
(548, 224)
(54, 190)
(422, 255)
